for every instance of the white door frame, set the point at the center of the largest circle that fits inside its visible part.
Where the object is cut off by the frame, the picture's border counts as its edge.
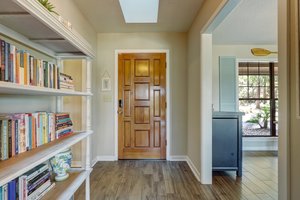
(283, 148)
(168, 96)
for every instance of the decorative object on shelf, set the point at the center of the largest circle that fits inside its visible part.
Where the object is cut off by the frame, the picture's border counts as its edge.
(262, 52)
(61, 163)
(66, 82)
(105, 81)
(49, 6)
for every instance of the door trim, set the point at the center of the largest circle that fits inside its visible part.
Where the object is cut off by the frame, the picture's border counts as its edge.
(168, 99)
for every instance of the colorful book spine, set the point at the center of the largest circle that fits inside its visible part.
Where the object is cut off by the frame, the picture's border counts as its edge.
(6, 61)
(12, 190)
(5, 192)
(9, 133)
(13, 137)
(13, 63)
(26, 67)
(31, 70)
(4, 140)
(2, 59)
(17, 135)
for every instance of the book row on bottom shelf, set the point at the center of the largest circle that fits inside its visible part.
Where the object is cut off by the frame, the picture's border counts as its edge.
(34, 184)
(25, 131)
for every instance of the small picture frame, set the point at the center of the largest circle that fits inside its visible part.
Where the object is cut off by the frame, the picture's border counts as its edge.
(106, 84)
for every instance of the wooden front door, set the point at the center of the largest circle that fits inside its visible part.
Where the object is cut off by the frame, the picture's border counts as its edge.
(142, 106)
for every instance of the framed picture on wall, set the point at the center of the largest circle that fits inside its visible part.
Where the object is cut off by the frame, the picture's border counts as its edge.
(106, 84)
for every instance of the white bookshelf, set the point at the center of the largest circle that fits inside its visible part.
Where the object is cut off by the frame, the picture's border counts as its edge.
(18, 19)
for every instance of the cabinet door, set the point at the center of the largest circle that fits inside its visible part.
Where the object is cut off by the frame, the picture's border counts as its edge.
(225, 142)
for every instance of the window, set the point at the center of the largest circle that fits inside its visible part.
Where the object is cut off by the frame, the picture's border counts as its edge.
(258, 97)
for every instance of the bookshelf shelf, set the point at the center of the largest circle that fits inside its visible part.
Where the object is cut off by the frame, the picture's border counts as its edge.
(17, 89)
(18, 165)
(49, 31)
(65, 189)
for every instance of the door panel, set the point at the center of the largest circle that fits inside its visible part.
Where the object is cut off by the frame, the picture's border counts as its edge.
(142, 115)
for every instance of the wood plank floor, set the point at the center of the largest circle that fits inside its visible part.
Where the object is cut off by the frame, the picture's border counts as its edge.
(163, 180)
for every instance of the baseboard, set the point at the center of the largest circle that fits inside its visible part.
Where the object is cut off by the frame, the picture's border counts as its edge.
(193, 168)
(76, 164)
(106, 158)
(94, 161)
(260, 144)
(177, 158)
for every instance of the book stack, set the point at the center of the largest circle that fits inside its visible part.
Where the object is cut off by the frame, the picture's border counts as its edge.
(66, 82)
(25, 131)
(32, 185)
(64, 125)
(19, 66)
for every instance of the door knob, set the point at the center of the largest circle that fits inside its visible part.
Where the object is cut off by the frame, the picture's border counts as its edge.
(120, 111)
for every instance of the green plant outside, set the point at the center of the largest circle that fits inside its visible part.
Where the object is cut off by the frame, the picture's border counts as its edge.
(262, 117)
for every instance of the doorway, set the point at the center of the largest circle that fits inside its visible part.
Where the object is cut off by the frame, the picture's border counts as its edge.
(142, 106)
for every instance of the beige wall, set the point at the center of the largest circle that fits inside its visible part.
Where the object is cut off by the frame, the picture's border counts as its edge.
(73, 105)
(176, 44)
(207, 10)
(241, 52)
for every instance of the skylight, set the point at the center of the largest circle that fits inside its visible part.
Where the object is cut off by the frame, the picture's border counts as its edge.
(140, 11)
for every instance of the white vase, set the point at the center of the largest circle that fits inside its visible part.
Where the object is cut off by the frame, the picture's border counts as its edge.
(61, 163)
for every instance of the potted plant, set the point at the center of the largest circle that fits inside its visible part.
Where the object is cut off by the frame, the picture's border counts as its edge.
(49, 6)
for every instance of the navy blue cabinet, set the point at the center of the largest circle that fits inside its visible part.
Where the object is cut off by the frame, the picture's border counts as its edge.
(227, 141)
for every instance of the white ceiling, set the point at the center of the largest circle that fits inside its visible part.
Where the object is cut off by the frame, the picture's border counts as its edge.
(106, 16)
(251, 22)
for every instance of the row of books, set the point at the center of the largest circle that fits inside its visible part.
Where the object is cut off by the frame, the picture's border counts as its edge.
(63, 125)
(26, 131)
(66, 82)
(18, 66)
(32, 185)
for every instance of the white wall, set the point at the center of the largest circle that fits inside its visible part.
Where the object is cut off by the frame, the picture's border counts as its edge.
(241, 52)
(107, 44)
